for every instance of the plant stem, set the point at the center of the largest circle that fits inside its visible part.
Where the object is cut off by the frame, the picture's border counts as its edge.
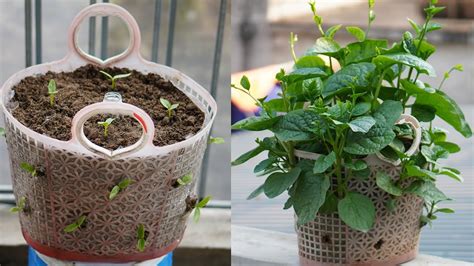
(113, 84)
(51, 99)
(106, 131)
(330, 65)
(377, 90)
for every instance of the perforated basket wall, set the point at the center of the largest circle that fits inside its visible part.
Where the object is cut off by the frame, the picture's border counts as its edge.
(392, 240)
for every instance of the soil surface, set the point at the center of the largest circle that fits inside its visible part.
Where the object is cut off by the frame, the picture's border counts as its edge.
(85, 86)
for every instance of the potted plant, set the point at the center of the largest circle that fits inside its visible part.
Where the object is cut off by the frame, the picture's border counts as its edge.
(102, 172)
(348, 148)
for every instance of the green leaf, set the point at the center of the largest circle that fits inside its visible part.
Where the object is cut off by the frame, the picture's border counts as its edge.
(245, 83)
(304, 73)
(256, 192)
(388, 113)
(107, 75)
(277, 183)
(362, 124)
(433, 153)
(165, 103)
(324, 162)
(2, 132)
(332, 30)
(356, 165)
(309, 61)
(357, 32)
(446, 109)
(387, 60)
(357, 211)
(186, 179)
(326, 46)
(449, 146)
(15, 209)
(203, 202)
(309, 196)
(174, 106)
(330, 204)
(432, 26)
(416, 171)
(415, 89)
(424, 113)
(433, 10)
(28, 168)
(247, 156)
(121, 76)
(71, 228)
(264, 165)
(125, 183)
(197, 214)
(428, 191)
(355, 75)
(373, 141)
(391, 204)
(445, 210)
(141, 231)
(113, 193)
(362, 174)
(454, 175)
(386, 184)
(52, 87)
(216, 140)
(363, 51)
(256, 123)
(141, 245)
(414, 25)
(296, 125)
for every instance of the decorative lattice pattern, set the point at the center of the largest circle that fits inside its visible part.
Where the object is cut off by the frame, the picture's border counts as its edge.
(327, 240)
(76, 184)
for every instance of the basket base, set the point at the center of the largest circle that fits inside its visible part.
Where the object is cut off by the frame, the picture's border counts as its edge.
(397, 260)
(76, 256)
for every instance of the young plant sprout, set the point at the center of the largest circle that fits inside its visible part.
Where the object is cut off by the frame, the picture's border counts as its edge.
(185, 179)
(20, 206)
(121, 186)
(114, 79)
(169, 107)
(29, 168)
(76, 225)
(52, 91)
(197, 208)
(106, 125)
(2, 132)
(216, 140)
(141, 238)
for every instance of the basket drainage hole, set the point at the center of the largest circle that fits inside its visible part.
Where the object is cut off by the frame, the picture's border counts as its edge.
(326, 239)
(379, 244)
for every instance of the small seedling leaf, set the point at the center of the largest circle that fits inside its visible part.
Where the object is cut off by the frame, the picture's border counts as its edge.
(125, 183)
(71, 228)
(245, 83)
(141, 232)
(109, 120)
(15, 209)
(216, 140)
(185, 180)
(121, 76)
(52, 87)
(174, 106)
(81, 220)
(197, 214)
(165, 103)
(141, 245)
(113, 193)
(203, 202)
(29, 168)
(2, 132)
(107, 75)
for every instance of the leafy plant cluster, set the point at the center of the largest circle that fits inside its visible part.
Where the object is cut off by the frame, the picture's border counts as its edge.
(348, 114)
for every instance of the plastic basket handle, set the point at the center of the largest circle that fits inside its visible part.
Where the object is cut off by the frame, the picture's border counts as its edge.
(133, 49)
(114, 108)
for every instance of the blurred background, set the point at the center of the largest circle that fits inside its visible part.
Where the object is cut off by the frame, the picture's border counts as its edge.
(192, 52)
(260, 33)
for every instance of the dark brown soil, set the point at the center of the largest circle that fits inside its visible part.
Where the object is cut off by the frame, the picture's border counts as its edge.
(191, 202)
(86, 85)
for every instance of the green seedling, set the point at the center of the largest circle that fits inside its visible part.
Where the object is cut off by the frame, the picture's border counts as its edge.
(121, 186)
(29, 168)
(106, 125)
(169, 107)
(76, 225)
(141, 242)
(20, 206)
(216, 140)
(52, 91)
(114, 79)
(185, 179)
(197, 208)
(2, 132)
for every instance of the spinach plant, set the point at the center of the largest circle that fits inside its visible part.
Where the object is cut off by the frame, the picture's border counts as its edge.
(199, 206)
(52, 91)
(348, 114)
(141, 236)
(76, 224)
(20, 206)
(106, 125)
(113, 79)
(169, 107)
(119, 187)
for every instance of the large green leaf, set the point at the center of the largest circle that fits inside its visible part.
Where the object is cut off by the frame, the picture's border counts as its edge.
(446, 109)
(248, 155)
(326, 46)
(277, 183)
(309, 61)
(363, 51)
(428, 191)
(324, 162)
(388, 113)
(256, 123)
(309, 196)
(373, 141)
(385, 182)
(387, 60)
(296, 125)
(357, 211)
(357, 32)
(362, 124)
(416, 171)
(304, 73)
(355, 75)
